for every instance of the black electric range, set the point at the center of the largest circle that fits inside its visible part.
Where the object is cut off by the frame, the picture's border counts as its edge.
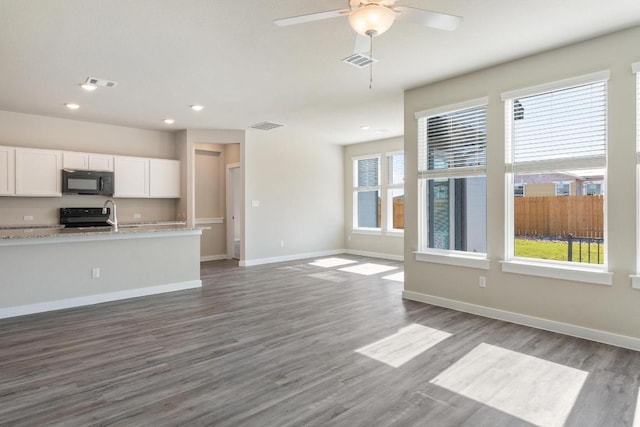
(84, 217)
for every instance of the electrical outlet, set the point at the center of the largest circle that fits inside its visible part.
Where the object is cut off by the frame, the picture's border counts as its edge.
(282, 243)
(255, 203)
(95, 273)
(483, 281)
(28, 217)
(137, 216)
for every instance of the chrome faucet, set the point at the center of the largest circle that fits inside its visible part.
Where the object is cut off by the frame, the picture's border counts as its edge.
(115, 214)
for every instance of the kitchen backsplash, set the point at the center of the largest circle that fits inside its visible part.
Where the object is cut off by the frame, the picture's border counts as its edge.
(45, 210)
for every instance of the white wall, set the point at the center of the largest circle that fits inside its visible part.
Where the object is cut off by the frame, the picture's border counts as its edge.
(613, 309)
(384, 245)
(299, 187)
(28, 130)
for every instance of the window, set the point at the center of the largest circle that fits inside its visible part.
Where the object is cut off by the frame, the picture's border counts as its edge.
(563, 188)
(366, 195)
(452, 146)
(592, 188)
(558, 130)
(395, 200)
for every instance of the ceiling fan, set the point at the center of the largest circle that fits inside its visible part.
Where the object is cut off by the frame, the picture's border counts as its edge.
(370, 18)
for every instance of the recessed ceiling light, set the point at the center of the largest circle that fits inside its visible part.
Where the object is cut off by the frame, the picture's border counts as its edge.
(169, 121)
(88, 87)
(72, 106)
(364, 127)
(382, 130)
(197, 107)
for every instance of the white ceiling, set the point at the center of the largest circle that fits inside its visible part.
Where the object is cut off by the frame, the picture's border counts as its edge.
(228, 56)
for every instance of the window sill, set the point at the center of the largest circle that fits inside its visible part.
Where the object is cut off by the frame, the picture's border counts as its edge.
(562, 272)
(397, 233)
(367, 231)
(457, 258)
(635, 281)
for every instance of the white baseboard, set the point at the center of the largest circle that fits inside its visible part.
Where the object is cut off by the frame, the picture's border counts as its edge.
(534, 322)
(375, 255)
(293, 257)
(213, 257)
(23, 310)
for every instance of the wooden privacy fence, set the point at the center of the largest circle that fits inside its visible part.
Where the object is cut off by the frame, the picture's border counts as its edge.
(559, 216)
(398, 212)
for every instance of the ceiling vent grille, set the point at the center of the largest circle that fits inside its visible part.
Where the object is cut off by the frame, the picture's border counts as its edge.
(265, 126)
(359, 60)
(101, 82)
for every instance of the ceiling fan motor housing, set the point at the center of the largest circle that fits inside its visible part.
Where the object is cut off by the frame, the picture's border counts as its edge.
(371, 19)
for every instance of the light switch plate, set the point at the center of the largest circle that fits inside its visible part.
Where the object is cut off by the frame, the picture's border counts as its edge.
(255, 203)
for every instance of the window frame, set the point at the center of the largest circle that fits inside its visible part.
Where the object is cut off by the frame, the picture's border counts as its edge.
(447, 256)
(357, 189)
(565, 270)
(389, 229)
(635, 278)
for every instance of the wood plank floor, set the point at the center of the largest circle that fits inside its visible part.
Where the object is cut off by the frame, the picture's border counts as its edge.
(277, 345)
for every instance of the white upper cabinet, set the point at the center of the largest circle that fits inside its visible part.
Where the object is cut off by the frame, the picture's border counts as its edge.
(99, 162)
(38, 172)
(72, 160)
(7, 171)
(164, 178)
(131, 176)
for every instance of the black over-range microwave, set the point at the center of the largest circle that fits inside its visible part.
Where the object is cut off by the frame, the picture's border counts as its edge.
(87, 182)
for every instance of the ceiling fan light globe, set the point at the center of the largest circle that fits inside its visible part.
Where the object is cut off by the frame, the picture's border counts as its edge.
(371, 19)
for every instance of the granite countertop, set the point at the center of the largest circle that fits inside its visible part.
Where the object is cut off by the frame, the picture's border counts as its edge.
(52, 231)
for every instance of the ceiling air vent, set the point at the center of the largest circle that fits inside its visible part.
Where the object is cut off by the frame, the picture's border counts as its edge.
(359, 60)
(265, 126)
(101, 82)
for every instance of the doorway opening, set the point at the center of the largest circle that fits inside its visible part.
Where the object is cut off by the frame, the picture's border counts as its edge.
(234, 214)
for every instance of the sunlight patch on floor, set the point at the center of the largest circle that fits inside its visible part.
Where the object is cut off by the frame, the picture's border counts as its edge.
(532, 389)
(368, 269)
(397, 277)
(397, 349)
(332, 262)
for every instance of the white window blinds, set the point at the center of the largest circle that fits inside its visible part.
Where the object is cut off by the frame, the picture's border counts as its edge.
(558, 129)
(453, 143)
(368, 172)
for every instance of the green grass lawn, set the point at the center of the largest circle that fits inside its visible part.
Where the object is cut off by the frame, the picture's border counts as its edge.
(543, 249)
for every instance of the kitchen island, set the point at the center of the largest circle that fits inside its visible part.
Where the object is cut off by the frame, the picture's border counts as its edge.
(45, 268)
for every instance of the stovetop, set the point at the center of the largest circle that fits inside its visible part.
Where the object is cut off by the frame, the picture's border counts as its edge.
(84, 217)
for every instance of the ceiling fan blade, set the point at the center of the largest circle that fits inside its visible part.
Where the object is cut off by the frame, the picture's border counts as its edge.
(362, 44)
(310, 17)
(437, 20)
